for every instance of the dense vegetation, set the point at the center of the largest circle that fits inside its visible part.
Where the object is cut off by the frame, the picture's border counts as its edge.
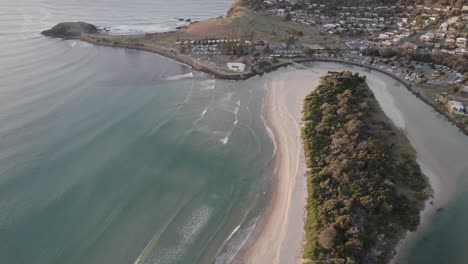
(364, 186)
(456, 62)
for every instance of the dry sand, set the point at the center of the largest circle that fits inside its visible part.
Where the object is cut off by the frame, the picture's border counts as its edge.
(280, 236)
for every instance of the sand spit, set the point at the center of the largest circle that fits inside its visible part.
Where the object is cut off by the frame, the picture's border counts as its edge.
(280, 236)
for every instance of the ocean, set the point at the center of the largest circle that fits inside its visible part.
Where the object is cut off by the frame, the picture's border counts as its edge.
(120, 156)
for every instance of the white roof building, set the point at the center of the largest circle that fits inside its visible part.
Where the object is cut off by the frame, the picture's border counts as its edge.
(455, 107)
(461, 42)
(427, 37)
(236, 66)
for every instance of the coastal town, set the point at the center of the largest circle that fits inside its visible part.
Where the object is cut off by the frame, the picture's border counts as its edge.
(424, 46)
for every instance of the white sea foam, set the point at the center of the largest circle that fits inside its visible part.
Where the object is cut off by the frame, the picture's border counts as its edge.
(225, 139)
(208, 82)
(80, 44)
(270, 133)
(201, 116)
(236, 113)
(204, 112)
(194, 225)
(237, 240)
(233, 232)
(180, 77)
(206, 88)
(187, 234)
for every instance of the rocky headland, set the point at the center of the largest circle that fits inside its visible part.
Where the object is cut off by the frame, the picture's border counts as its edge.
(70, 30)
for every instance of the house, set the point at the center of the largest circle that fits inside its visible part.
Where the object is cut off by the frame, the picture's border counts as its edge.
(449, 43)
(236, 66)
(442, 98)
(452, 20)
(440, 35)
(408, 45)
(460, 51)
(383, 36)
(461, 42)
(427, 37)
(455, 107)
(444, 26)
(464, 89)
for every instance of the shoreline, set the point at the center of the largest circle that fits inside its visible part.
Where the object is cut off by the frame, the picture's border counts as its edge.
(266, 234)
(194, 64)
(246, 251)
(280, 235)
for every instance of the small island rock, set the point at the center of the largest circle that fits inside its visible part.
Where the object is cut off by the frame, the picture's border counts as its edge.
(70, 30)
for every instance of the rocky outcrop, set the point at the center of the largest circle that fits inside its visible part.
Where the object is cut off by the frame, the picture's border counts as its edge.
(69, 30)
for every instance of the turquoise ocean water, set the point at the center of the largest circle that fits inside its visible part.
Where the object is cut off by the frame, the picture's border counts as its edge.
(118, 156)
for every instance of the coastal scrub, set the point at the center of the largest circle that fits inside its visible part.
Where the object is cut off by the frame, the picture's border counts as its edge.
(365, 189)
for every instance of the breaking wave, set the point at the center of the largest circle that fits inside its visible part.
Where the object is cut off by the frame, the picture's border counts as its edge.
(201, 116)
(225, 140)
(208, 82)
(270, 133)
(180, 77)
(237, 240)
(186, 234)
(206, 88)
(233, 232)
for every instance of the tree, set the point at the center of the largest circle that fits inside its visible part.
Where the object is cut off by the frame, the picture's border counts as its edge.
(182, 47)
(308, 52)
(289, 40)
(327, 237)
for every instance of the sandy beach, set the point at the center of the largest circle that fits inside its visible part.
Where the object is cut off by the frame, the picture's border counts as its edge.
(280, 236)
